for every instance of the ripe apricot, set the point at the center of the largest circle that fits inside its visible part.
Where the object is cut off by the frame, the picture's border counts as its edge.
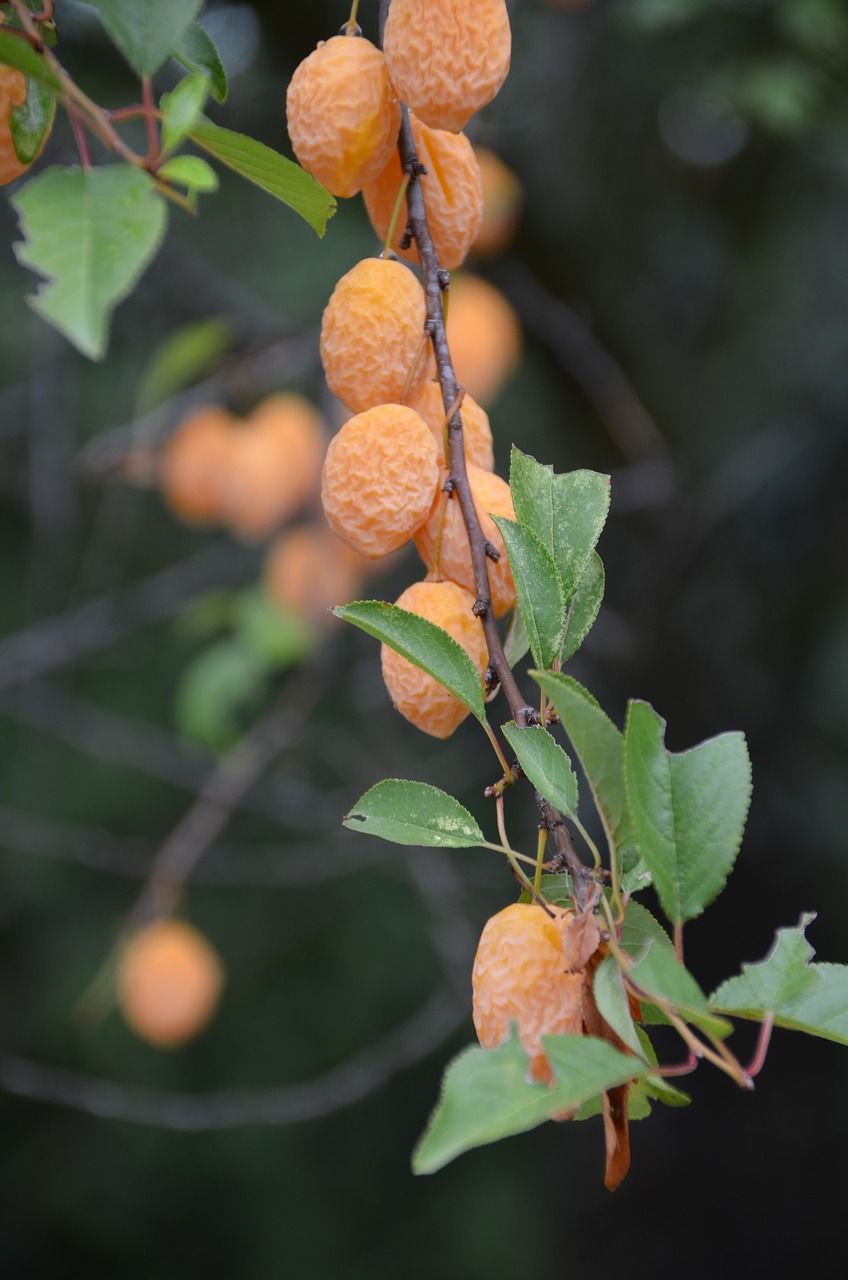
(520, 977)
(310, 569)
(447, 58)
(476, 431)
(169, 979)
(13, 92)
(380, 477)
(484, 336)
(502, 199)
(422, 700)
(372, 335)
(453, 194)
(343, 116)
(195, 461)
(445, 528)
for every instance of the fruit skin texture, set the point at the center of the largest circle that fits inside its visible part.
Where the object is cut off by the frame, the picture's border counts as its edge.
(491, 495)
(476, 431)
(453, 194)
(447, 58)
(379, 479)
(169, 979)
(421, 699)
(309, 569)
(194, 462)
(343, 116)
(520, 976)
(483, 334)
(372, 335)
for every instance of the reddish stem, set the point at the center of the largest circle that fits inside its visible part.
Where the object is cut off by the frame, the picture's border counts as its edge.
(759, 1059)
(79, 135)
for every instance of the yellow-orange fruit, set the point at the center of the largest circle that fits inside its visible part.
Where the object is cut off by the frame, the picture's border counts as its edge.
(13, 92)
(422, 700)
(446, 527)
(502, 199)
(520, 977)
(309, 569)
(453, 194)
(343, 115)
(275, 465)
(484, 336)
(372, 335)
(195, 461)
(447, 58)
(379, 478)
(476, 431)
(169, 979)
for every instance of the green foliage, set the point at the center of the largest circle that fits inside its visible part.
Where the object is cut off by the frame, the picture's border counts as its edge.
(146, 31)
(218, 691)
(182, 357)
(584, 607)
(545, 764)
(538, 588)
(90, 233)
(182, 108)
(196, 50)
(414, 813)
(31, 121)
(15, 52)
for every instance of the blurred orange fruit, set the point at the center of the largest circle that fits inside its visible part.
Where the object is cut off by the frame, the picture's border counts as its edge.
(169, 980)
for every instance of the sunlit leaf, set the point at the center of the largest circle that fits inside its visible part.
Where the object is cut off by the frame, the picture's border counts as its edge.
(414, 813)
(146, 31)
(538, 589)
(545, 764)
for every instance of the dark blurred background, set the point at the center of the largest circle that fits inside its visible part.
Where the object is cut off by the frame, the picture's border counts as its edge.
(680, 272)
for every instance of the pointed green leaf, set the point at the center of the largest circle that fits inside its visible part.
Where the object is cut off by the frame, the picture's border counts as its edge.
(196, 50)
(31, 121)
(786, 985)
(538, 589)
(181, 357)
(146, 31)
(182, 108)
(423, 643)
(190, 172)
(613, 1004)
(90, 232)
(584, 607)
(566, 512)
(15, 52)
(486, 1094)
(545, 764)
(269, 170)
(516, 640)
(688, 810)
(414, 813)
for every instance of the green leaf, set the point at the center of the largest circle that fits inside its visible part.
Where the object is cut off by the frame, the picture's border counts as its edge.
(785, 985)
(486, 1095)
(516, 640)
(599, 747)
(181, 358)
(182, 108)
(414, 813)
(30, 122)
(146, 31)
(277, 637)
(422, 643)
(196, 50)
(613, 1003)
(584, 607)
(538, 589)
(688, 810)
(15, 52)
(545, 764)
(269, 170)
(190, 172)
(566, 512)
(218, 691)
(91, 233)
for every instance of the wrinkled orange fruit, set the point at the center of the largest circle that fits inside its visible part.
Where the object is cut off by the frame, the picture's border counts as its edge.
(169, 979)
(476, 431)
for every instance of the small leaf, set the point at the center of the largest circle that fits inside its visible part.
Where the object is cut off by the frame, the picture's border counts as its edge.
(190, 172)
(90, 232)
(414, 813)
(584, 607)
(613, 1004)
(688, 810)
(30, 122)
(422, 643)
(786, 985)
(538, 588)
(181, 358)
(269, 170)
(182, 108)
(277, 637)
(146, 31)
(516, 640)
(218, 690)
(196, 50)
(15, 52)
(545, 764)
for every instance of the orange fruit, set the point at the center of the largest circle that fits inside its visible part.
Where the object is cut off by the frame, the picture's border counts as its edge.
(195, 461)
(169, 979)
(343, 116)
(502, 199)
(309, 569)
(484, 336)
(520, 977)
(380, 477)
(13, 92)
(447, 58)
(372, 335)
(453, 194)
(422, 700)
(476, 431)
(446, 527)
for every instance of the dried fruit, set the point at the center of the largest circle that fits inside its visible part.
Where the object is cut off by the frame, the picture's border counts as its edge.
(453, 194)
(169, 979)
(343, 117)
(445, 528)
(422, 700)
(13, 92)
(484, 336)
(520, 977)
(502, 199)
(380, 477)
(476, 431)
(195, 462)
(372, 335)
(309, 569)
(447, 58)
